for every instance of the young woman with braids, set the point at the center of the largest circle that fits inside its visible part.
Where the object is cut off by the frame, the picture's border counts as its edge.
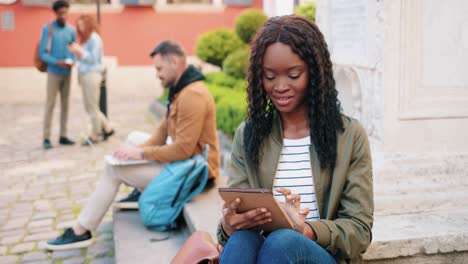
(297, 142)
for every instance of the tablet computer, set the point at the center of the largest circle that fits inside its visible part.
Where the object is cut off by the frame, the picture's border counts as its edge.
(258, 198)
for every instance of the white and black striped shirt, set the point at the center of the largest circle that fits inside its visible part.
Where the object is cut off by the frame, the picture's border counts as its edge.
(295, 173)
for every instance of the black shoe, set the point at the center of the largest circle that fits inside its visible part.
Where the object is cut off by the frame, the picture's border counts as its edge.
(68, 240)
(129, 202)
(106, 135)
(46, 144)
(66, 141)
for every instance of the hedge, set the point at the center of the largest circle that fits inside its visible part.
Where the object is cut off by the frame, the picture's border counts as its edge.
(230, 106)
(215, 45)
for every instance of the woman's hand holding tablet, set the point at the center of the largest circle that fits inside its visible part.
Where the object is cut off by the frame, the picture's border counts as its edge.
(252, 208)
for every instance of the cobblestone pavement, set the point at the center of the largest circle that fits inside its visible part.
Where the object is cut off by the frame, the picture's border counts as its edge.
(41, 192)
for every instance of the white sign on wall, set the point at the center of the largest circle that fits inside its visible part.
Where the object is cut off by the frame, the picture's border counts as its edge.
(351, 32)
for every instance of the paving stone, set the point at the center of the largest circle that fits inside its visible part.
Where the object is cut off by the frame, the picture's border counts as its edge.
(63, 204)
(41, 229)
(21, 248)
(4, 212)
(108, 260)
(11, 240)
(34, 190)
(41, 262)
(23, 206)
(42, 245)
(41, 223)
(3, 251)
(30, 198)
(34, 256)
(83, 177)
(17, 223)
(8, 259)
(66, 253)
(79, 260)
(42, 205)
(66, 217)
(55, 195)
(7, 197)
(15, 232)
(26, 213)
(44, 215)
(42, 236)
(99, 249)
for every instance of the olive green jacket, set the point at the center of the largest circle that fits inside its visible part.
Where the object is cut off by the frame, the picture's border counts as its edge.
(345, 200)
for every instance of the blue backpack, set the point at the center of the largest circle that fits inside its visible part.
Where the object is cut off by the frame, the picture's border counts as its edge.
(163, 199)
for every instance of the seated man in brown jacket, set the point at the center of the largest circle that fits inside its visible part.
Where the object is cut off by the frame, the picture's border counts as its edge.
(189, 125)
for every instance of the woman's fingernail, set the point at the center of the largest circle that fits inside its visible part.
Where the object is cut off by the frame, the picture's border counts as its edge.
(264, 210)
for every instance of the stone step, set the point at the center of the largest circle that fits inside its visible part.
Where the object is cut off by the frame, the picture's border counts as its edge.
(393, 176)
(405, 187)
(420, 200)
(452, 169)
(423, 237)
(427, 237)
(133, 245)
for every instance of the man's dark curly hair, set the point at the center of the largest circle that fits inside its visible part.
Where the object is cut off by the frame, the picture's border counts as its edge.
(325, 121)
(60, 4)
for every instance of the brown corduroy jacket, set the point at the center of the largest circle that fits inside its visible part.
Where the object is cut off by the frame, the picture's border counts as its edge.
(191, 124)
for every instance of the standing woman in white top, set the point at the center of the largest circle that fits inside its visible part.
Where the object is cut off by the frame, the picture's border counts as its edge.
(90, 73)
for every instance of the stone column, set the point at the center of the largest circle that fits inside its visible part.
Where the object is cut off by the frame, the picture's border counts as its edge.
(401, 69)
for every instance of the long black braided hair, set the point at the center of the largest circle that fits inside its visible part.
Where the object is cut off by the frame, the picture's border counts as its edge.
(325, 121)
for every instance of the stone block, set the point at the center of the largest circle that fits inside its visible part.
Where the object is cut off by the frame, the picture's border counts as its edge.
(34, 256)
(11, 240)
(21, 248)
(78, 260)
(41, 223)
(66, 254)
(108, 260)
(9, 259)
(42, 236)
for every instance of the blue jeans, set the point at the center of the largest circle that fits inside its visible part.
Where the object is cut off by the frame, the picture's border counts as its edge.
(281, 246)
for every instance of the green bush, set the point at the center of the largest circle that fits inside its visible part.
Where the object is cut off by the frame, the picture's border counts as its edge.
(307, 10)
(163, 98)
(221, 79)
(231, 105)
(248, 23)
(230, 108)
(237, 63)
(215, 45)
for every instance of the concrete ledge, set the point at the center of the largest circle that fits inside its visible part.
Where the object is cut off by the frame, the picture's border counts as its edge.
(426, 233)
(133, 245)
(204, 212)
